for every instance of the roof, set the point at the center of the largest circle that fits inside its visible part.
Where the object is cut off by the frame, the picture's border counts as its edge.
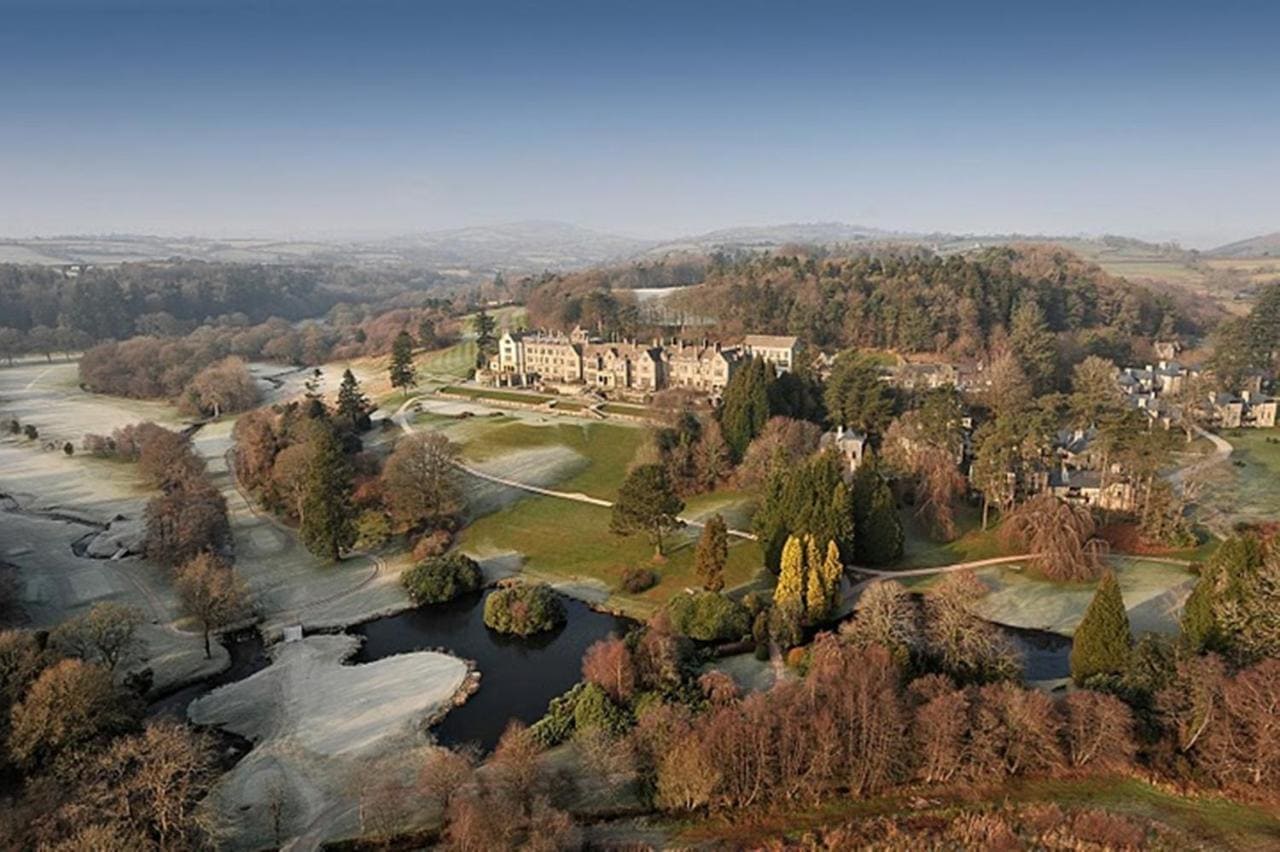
(1075, 479)
(771, 341)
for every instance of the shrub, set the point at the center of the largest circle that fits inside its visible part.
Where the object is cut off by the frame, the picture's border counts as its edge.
(31, 432)
(432, 544)
(373, 528)
(557, 725)
(68, 449)
(595, 709)
(443, 578)
(524, 609)
(708, 616)
(14, 427)
(636, 579)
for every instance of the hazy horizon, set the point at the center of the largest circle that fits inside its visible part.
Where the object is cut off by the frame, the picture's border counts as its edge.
(654, 120)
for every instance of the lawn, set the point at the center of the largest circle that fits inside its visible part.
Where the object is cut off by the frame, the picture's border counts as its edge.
(498, 395)
(457, 360)
(1247, 488)
(920, 550)
(607, 448)
(562, 541)
(1153, 595)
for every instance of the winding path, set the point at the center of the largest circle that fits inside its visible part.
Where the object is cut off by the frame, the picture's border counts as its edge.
(402, 419)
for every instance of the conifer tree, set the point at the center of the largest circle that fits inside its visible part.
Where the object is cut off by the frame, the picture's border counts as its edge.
(1033, 344)
(746, 406)
(328, 525)
(646, 503)
(789, 594)
(402, 373)
(878, 536)
(1102, 641)
(711, 553)
(828, 573)
(353, 405)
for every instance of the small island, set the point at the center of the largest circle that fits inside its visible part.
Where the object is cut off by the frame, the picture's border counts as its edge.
(524, 609)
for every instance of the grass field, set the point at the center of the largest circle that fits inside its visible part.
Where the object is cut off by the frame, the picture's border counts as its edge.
(494, 394)
(1202, 822)
(457, 360)
(1248, 489)
(920, 550)
(570, 542)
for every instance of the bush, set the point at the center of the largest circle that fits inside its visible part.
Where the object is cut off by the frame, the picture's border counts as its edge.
(708, 617)
(432, 544)
(524, 609)
(443, 578)
(595, 709)
(31, 432)
(557, 725)
(636, 580)
(373, 528)
(68, 449)
(14, 427)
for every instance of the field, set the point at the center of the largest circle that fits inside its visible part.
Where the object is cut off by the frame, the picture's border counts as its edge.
(1200, 822)
(566, 542)
(1247, 489)
(496, 395)
(1153, 592)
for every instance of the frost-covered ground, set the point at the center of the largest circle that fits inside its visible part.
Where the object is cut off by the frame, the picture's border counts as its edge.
(315, 723)
(1153, 592)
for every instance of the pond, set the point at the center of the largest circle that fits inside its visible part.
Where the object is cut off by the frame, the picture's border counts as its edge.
(518, 676)
(1045, 655)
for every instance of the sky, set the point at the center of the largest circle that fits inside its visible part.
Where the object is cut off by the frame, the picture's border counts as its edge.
(287, 118)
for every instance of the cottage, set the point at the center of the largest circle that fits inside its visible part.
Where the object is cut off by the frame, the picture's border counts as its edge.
(851, 446)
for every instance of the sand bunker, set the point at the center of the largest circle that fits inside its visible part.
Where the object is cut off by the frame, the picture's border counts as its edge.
(314, 721)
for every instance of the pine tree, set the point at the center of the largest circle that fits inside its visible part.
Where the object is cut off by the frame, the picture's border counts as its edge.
(353, 405)
(486, 341)
(815, 590)
(646, 503)
(402, 373)
(1033, 345)
(1102, 641)
(789, 594)
(878, 536)
(828, 572)
(746, 406)
(328, 525)
(711, 553)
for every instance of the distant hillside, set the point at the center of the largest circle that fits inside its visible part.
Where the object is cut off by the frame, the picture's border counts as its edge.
(1267, 245)
(773, 236)
(525, 247)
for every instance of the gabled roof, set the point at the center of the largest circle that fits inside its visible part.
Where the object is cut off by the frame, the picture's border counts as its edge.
(771, 341)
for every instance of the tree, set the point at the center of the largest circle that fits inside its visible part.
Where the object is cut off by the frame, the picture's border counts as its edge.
(69, 705)
(1032, 343)
(428, 338)
(608, 664)
(825, 572)
(401, 371)
(1094, 391)
(328, 524)
(888, 617)
(226, 386)
(959, 643)
(711, 553)
(107, 633)
(186, 521)
(1058, 535)
(1007, 392)
(353, 405)
(485, 327)
(213, 594)
(856, 398)
(1235, 606)
(420, 481)
(878, 535)
(789, 594)
(646, 503)
(1101, 643)
(745, 408)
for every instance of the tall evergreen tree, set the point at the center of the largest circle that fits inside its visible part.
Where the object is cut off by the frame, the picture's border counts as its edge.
(403, 375)
(789, 594)
(1033, 344)
(746, 405)
(485, 327)
(878, 536)
(1102, 641)
(328, 525)
(855, 397)
(353, 405)
(711, 553)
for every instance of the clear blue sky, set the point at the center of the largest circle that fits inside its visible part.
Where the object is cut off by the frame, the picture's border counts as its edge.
(282, 117)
